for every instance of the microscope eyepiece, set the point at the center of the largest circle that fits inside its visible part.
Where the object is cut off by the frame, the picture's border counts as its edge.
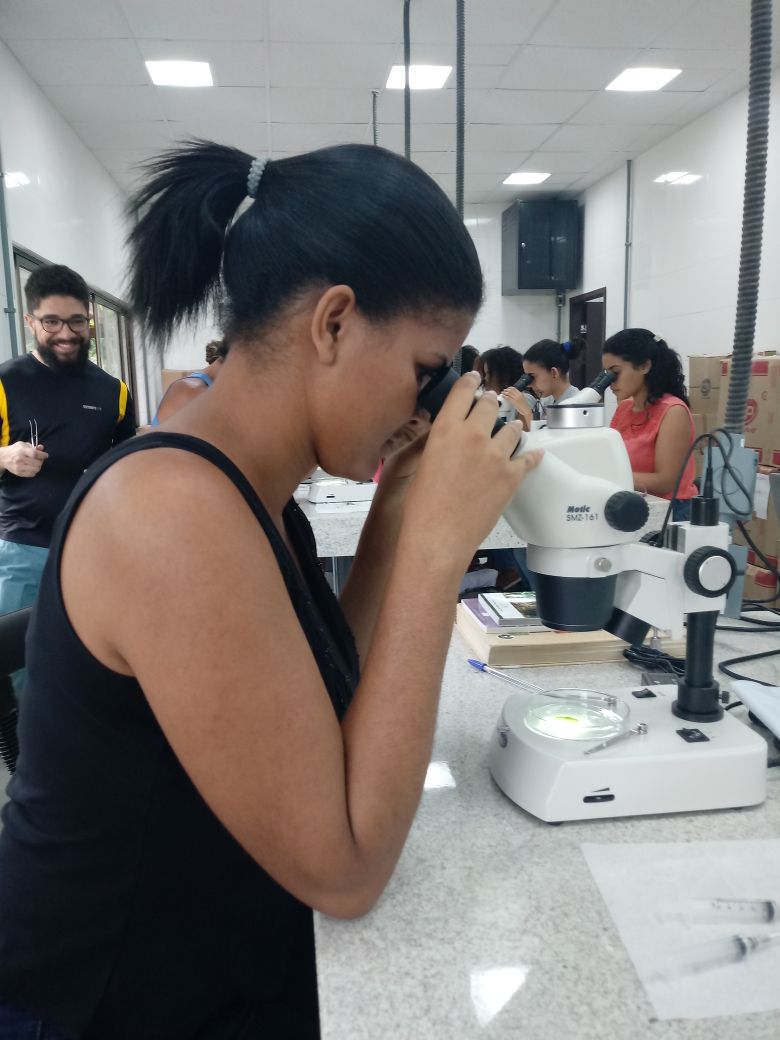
(602, 381)
(524, 381)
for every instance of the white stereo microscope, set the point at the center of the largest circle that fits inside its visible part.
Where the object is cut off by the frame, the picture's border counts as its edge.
(578, 754)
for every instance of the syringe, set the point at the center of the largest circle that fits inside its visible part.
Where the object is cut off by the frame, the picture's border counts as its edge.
(718, 953)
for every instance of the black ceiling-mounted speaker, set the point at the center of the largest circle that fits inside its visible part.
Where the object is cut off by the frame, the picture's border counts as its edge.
(540, 246)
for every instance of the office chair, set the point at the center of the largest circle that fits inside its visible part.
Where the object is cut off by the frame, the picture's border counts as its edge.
(13, 629)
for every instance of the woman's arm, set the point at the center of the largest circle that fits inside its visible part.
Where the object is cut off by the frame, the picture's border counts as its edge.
(193, 604)
(671, 447)
(518, 401)
(178, 395)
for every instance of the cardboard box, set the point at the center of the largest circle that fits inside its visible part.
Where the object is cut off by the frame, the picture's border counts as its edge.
(759, 583)
(764, 530)
(704, 383)
(762, 419)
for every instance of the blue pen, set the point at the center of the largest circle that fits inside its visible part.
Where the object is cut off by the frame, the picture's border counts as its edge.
(482, 667)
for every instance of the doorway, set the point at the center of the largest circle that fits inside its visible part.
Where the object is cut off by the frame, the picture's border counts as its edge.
(588, 320)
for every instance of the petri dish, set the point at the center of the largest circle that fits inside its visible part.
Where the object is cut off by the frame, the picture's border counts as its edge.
(575, 714)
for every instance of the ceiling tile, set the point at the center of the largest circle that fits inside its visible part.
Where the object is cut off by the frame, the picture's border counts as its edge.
(530, 106)
(717, 24)
(331, 65)
(433, 137)
(304, 137)
(498, 137)
(61, 20)
(250, 137)
(234, 63)
(328, 105)
(609, 23)
(110, 133)
(572, 162)
(637, 108)
(575, 138)
(215, 103)
(695, 59)
(82, 62)
(428, 106)
(188, 20)
(490, 21)
(84, 103)
(338, 21)
(565, 68)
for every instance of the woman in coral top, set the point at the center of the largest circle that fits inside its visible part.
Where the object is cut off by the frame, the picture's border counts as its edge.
(653, 416)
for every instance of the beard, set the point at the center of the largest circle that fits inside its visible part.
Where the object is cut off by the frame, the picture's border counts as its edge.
(71, 366)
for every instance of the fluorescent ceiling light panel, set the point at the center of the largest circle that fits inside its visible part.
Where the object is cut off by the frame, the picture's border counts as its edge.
(667, 178)
(180, 73)
(526, 178)
(16, 180)
(643, 79)
(678, 177)
(421, 77)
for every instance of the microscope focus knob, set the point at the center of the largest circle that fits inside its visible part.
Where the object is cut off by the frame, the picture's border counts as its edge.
(709, 571)
(626, 511)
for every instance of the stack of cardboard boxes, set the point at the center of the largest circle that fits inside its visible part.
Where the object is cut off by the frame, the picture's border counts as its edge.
(709, 387)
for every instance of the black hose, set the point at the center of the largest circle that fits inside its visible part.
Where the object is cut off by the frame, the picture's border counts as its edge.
(407, 89)
(460, 101)
(752, 211)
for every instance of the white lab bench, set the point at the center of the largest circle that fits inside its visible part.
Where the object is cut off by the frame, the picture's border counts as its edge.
(485, 894)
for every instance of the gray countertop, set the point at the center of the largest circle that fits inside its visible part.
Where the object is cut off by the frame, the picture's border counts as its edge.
(485, 894)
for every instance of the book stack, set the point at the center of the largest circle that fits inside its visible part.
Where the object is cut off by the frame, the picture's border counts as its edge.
(509, 633)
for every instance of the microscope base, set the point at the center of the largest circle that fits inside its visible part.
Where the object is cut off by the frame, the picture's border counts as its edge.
(658, 772)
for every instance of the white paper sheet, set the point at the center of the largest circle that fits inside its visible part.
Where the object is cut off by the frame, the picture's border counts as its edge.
(659, 895)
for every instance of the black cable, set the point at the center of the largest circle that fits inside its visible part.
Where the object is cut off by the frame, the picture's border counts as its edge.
(460, 102)
(723, 666)
(407, 88)
(649, 659)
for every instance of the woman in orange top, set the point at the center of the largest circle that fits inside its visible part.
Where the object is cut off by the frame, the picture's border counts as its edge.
(653, 416)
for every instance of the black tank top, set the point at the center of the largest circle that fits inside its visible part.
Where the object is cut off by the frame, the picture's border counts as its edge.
(127, 911)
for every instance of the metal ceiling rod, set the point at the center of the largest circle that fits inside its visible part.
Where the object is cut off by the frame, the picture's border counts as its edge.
(759, 91)
(407, 90)
(460, 101)
(629, 235)
(374, 127)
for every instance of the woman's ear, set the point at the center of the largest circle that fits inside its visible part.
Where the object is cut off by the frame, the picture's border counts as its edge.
(334, 308)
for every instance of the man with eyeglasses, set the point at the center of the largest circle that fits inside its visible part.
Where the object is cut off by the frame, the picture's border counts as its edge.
(58, 413)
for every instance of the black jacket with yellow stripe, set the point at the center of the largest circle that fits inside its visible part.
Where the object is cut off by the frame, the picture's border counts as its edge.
(77, 415)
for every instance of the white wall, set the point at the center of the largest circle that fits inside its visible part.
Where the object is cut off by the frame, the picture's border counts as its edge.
(71, 212)
(517, 321)
(686, 239)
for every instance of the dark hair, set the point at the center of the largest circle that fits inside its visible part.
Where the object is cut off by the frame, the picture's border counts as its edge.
(352, 214)
(639, 345)
(550, 354)
(503, 365)
(466, 358)
(215, 350)
(55, 280)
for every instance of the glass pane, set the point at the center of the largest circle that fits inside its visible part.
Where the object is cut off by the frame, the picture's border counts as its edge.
(110, 336)
(27, 335)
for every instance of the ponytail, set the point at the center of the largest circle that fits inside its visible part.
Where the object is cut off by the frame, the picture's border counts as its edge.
(353, 214)
(665, 375)
(550, 354)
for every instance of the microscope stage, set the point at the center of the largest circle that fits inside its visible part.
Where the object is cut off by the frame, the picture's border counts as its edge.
(676, 766)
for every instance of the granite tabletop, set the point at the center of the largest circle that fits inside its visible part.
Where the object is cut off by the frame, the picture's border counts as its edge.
(492, 925)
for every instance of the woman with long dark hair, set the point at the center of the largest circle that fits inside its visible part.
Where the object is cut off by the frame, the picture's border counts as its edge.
(211, 744)
(653, 416)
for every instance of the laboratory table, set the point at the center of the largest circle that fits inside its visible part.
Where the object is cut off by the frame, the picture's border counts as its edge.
(492, 925)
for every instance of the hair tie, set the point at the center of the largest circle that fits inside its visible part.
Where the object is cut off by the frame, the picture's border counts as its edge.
(256, 171)
(656, 339)
(566, 347)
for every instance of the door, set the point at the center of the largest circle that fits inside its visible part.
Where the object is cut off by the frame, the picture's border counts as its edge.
(588, 320)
